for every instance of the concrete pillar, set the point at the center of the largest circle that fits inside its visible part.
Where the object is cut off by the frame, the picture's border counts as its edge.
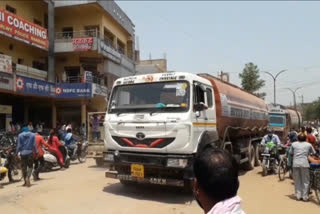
(51, 33)
(26, 114)
(54, 115)
(83, 113)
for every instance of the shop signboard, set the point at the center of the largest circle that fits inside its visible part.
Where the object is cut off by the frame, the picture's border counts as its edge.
(82, 44)
(13, 26)
(109, 52)
(6, 81)
(99, 90)
(27, 85)
(73, 90)
(5, 64)
(4, 109)
(88, 76)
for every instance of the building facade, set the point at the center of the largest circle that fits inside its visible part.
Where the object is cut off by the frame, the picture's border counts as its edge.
(93, 46)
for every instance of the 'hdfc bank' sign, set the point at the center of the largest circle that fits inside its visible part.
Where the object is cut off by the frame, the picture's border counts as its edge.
(20, 29)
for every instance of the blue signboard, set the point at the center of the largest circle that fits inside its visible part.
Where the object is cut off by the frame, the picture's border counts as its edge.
(29, 85)
(73, 90)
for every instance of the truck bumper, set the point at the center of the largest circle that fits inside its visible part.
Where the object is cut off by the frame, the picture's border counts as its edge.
(154, 168)
(160, 181)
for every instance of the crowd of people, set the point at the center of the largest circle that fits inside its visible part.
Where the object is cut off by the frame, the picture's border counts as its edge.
(31, 144)
(302, 150)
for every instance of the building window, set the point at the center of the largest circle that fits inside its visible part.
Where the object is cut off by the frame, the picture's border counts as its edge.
(11, 9)
(67, 32)
(45, 20)
(108, 37)
(20, 61)
(92, 31)
(38, 65)
(120, 46)
(36, 21)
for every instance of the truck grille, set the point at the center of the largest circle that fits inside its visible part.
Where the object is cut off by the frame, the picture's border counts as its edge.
(145, 143)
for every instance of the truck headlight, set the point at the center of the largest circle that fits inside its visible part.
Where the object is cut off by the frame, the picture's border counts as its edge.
(109, 157)
(175, 162)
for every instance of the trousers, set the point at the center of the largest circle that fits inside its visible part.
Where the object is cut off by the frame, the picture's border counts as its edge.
(27, 165)
(38, 165)
(301, 178)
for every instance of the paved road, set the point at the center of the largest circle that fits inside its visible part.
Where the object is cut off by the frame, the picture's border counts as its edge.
(83, 189)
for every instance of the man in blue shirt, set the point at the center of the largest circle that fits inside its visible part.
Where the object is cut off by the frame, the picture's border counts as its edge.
(25, 148)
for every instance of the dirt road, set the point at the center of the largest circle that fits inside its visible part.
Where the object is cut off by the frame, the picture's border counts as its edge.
(83, 189)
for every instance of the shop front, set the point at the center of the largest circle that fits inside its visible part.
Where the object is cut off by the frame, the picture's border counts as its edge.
(5, 117)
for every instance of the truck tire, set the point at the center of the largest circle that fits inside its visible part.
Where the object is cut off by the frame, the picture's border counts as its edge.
(249, 165)
(257, 155)
(99, 162)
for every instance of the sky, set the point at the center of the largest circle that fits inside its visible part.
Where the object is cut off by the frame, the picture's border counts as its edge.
(213, 36)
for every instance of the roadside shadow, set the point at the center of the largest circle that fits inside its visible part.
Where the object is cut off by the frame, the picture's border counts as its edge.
(164, 194)
(98, 167)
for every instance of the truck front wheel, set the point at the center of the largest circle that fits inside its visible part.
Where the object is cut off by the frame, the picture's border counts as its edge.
(249, 165)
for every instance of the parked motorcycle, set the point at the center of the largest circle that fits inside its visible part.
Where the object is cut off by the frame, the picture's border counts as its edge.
(269, 161)
(81, 151)
(10, 165)
(51, 161)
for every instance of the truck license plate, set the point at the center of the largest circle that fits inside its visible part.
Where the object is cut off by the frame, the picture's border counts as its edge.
(137, 170)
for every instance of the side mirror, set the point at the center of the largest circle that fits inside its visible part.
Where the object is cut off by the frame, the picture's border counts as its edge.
(200, 106)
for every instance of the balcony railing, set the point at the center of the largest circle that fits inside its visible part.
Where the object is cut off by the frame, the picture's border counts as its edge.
(31, 72)
(80, 79)
(69, 35)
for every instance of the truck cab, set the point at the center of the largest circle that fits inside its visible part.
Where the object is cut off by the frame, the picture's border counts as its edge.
(153, 125)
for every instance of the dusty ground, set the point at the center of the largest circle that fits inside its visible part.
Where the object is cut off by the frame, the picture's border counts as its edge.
(83, 189)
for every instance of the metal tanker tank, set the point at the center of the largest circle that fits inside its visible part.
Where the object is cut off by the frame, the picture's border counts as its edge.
(294, 119)
(239, 113)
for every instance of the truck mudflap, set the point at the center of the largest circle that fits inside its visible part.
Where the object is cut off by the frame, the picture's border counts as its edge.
(159, 181)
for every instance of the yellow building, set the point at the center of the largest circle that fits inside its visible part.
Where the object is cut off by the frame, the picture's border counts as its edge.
(93, 45)
(101, 42)
(23, 51)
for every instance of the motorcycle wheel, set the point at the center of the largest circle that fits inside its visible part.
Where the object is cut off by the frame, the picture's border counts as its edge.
(16, 173)
(83, 155)
(264, 168)
(67, 163)
(282, 170)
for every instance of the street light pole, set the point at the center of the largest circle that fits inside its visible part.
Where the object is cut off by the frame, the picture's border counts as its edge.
(294, 96)
(274, 83)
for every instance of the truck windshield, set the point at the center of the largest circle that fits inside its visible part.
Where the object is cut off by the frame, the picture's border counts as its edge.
(277, 120)
(152, 97)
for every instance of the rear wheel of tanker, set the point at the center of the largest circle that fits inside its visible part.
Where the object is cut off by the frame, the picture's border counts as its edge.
(249, 165)
(257, 155)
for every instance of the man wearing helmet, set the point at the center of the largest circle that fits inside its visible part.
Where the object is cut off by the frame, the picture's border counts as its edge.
(271, 137)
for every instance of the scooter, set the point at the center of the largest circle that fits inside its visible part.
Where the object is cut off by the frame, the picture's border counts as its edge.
(51, 161)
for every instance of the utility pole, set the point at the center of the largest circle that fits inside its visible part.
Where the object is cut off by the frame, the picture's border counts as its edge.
(294, 96)
(274, 83)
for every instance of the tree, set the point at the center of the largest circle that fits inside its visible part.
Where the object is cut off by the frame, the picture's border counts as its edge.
(250, 80)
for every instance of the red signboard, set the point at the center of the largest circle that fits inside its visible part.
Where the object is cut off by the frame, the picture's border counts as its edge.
(13, 26)
(82, 44)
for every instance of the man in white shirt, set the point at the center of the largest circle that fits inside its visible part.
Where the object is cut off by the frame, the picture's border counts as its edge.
(216, 182)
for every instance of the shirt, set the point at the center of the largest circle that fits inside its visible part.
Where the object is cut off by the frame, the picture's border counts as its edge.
(311, 139)
(40, 142)
(55, 143)
(95, 125)
(228, 206)
(275, 139)
(26, 143)
(300, 152)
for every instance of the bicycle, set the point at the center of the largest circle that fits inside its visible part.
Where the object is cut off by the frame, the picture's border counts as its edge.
(284, 167)
(315, 180)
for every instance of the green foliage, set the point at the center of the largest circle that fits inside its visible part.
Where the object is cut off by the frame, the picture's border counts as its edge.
(311, 111)
(250, 79)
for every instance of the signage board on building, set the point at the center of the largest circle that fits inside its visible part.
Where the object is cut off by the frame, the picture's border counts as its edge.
(4, 109)
(109, 52)
(6, 81)
(27, 85)
(88, 76)
(13, 26)
(99, 90)
(5, 64)
(82, 44)
(73, 90)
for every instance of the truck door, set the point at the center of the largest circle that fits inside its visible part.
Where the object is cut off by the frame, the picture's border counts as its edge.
(199, 108)
(210, 112)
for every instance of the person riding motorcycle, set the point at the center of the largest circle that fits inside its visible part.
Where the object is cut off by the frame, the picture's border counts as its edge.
(271, 137)
(70, 141)
(54, 144)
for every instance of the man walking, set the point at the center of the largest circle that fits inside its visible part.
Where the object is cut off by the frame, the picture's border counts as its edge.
(38, 159)
(25, 148)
